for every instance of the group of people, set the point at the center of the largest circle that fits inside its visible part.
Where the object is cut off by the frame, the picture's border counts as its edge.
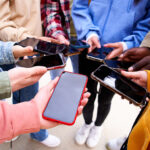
(118, 24)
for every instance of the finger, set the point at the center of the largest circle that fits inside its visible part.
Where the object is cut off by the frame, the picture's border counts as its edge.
(35, 71)
(96, 43)
(112, 45)
(130, 74)
(86, 95)
(137, 66)
(84, 101)
(113, 54)
(80, 109)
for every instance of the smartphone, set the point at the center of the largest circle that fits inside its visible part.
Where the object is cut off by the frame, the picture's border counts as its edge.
(118, 64)
(78, 44)
(99, 54)
(63, 104)
(116, 82)
(51, 62)
(43, 47)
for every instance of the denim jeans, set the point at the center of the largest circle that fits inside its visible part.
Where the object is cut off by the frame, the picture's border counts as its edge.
(23, 95)
(57, 72)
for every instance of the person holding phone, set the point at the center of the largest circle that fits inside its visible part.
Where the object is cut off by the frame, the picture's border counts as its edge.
(103, 22)
(19, 20)
(32, 120)
(141, 57)
(56, 17)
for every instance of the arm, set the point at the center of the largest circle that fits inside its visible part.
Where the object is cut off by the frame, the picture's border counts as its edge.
(52, 21)
(11, 125)
(139, 31)
(9, 31)
(82, 19)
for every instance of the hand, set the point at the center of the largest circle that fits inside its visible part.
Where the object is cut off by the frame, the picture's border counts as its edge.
(22, 77)
(140, 77)
(19, 51)
(94, 43)
(118, 49)
(47, 39)
(134, 54)
(42, 98)
(62, 40)
(143, 64)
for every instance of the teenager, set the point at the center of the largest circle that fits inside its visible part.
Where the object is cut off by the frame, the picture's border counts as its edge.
(117, 24)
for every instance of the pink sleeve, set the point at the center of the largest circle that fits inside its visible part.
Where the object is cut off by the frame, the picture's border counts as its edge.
(18, 119)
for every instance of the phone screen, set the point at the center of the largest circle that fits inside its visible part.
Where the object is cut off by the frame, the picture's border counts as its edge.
(120, 84)
(51, 61)
(44, 46)
(64, 102)
(118, 64)
(99, 54)
(77, 44)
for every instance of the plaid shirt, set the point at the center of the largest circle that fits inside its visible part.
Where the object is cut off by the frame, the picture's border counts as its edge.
(55, 16)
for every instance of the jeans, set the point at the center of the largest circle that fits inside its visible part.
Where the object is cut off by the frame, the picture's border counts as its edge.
(57, 72)
(23, 95)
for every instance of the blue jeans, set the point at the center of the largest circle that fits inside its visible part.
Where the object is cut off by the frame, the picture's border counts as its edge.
(23, 95)
(57, 72)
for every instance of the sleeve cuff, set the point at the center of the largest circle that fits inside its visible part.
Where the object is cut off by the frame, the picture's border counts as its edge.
(91, 34)
(125, 47)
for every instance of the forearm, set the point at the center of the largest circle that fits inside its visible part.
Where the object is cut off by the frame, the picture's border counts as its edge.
(82, 20)
(6, 53)
(18, 119)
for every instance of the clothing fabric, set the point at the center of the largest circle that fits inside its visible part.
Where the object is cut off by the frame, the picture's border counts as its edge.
(6, 54)
(11, 125)
(146, 41)
(18, 20)
(139, 137)
(5, 88)
(112, 20)
(56, 17)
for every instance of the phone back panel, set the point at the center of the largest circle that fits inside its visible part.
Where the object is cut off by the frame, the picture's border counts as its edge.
(64, 102)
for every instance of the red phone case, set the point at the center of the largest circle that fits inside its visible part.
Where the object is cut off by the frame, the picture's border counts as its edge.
(66, 123)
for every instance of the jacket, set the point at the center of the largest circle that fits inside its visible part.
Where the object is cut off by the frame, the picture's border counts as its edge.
(112, 20)
(139, 137)
(56, 17)
(146, 41)
(11, 125)
(19, 19)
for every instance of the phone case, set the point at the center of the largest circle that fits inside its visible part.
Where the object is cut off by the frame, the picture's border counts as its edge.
(51, 62)
(61, 115)
(142, 104)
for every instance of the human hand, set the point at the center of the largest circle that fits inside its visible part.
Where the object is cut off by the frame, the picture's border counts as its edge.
(62, 40)
(19, 51)
(42, 98)
(118, 49)
(134, 54)
(48, 39)
(94, 43)
(140, 77)
(22, 77)
(143, 64)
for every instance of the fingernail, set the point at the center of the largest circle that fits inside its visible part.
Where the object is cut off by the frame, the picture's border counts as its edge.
(130, 69)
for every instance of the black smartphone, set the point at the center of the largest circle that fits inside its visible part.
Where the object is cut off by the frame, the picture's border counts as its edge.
(63, 104)
(118, 64)
(99, 54)
(78, 44)
(43, 47)
(51, 62)
(116, 82)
